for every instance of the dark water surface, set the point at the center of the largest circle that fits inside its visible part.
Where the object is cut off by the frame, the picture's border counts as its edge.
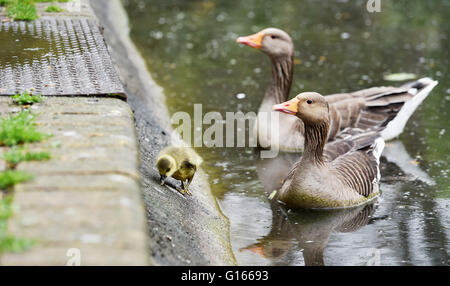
(191, 52)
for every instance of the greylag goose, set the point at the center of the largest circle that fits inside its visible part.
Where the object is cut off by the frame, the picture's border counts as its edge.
(342, 173)
(388, 108)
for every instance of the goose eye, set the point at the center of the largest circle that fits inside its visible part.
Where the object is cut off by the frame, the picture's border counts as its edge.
(167, 171)
(274, 37)
(309, 101)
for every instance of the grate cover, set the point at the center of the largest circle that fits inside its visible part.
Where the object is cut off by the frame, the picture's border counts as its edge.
(57, 56)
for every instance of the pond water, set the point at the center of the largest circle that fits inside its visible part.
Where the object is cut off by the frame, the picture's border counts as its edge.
(191, 52)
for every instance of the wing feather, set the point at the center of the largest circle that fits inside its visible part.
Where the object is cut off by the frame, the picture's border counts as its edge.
(354, 161)
(371, 108)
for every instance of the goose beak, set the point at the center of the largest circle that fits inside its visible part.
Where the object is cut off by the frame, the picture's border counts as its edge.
(289, 107)
(254, 41)
(163, 179)
(255, 248)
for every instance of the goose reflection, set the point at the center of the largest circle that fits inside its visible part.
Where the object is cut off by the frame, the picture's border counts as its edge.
(310, 230)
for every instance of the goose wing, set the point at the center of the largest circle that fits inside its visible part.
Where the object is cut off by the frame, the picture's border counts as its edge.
(348, 140)
(357, 166)
(377, 108)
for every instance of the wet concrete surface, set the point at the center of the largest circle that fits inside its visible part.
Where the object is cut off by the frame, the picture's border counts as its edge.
(182, 230)
(56, 56)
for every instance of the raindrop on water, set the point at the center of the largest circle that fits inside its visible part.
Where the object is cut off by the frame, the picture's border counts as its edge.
(345, 36)
(240, 96)
(161, 20)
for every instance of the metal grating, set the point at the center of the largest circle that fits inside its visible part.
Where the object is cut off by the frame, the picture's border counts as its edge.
(57, 56)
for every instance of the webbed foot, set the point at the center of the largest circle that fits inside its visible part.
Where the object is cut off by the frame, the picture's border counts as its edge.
(181, 190)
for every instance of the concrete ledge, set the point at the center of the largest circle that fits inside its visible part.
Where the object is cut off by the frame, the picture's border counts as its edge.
(87, 196)
(182, 230)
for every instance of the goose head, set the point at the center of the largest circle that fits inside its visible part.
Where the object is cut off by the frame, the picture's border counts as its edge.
(311, 107)
(167, 166)
(272, 41)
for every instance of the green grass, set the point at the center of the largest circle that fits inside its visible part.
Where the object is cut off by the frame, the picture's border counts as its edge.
(14, 156)
(5, 208)
(9, 243)
(26, 98)
(14, 130)
(10, 178)
(54, 8)
(5, 2)
(19, 129)
(24, 10)
(41, 1)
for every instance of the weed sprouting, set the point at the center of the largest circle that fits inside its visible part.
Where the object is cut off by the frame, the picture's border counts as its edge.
(54, 8)
(26, 98)
(19, 129)
(10, 178)
(24, 10)
(9, 243)
(5, 207)
(16, 155)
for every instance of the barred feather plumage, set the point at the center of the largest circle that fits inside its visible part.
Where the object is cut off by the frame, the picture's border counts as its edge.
(344, 171)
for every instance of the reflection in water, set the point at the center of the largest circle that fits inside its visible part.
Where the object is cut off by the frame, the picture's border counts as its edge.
(271, 172)
(21, 44)
(191, 52)
(396, 153)
(309, 230)
(55, 57)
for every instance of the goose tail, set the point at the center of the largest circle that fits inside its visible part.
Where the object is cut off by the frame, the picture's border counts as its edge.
(419, 90)
(378, 148)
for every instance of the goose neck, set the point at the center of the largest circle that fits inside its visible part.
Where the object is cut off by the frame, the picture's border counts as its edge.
(282, 71)
(315, 139)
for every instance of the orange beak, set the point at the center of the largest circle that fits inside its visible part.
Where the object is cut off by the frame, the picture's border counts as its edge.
(255, 248)
(254, 41)
(289, 107)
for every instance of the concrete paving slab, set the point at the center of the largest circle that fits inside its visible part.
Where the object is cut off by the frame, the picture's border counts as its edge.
(87, 196)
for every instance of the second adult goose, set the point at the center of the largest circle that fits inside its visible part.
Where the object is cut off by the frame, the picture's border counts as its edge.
(374, 108)
(342, 173)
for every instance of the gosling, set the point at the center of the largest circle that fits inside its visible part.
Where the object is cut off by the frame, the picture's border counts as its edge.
(181, 163)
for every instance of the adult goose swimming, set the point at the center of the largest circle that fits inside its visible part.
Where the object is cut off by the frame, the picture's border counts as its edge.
(388, 108)
(342, 173)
